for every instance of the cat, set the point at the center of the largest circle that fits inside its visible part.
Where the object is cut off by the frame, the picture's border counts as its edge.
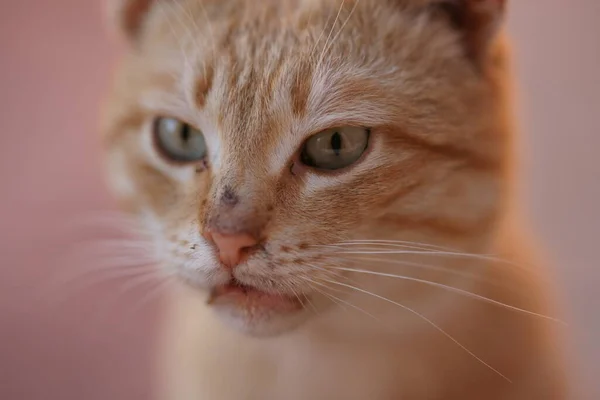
(323, 183)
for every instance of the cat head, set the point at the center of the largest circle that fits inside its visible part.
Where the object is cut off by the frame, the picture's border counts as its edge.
(260, 144)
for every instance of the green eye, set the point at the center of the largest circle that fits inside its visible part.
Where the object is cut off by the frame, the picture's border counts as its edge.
(179, 141)
(335, 148)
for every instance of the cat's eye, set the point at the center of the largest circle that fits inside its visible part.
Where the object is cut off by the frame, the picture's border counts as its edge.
(179, 141)
(335, 148)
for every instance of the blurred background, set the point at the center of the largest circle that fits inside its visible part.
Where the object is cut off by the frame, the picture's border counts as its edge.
(55, 64)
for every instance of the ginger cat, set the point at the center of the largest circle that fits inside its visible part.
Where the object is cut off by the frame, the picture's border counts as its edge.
(323, 182)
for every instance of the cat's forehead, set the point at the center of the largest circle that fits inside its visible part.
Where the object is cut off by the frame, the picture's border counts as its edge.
(281, 37)
(268, 76)
(259, 71)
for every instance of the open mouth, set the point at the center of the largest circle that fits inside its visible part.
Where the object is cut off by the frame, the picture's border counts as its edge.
(235, 293)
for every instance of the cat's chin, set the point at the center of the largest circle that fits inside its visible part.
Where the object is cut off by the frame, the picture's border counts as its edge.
(254, 312)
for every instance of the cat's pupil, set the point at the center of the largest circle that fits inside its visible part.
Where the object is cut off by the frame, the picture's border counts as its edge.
(185, 133)
(336, 143)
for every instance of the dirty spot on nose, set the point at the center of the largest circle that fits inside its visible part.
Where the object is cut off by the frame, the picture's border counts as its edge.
(229, 197)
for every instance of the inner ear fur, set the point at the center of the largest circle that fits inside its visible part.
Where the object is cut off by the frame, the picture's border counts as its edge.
(477, 21)
(126, 17)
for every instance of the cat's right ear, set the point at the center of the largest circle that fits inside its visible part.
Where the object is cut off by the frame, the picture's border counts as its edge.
(478, 22)
(126, 17)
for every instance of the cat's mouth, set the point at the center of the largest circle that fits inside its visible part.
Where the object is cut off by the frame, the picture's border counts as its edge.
(252, 299)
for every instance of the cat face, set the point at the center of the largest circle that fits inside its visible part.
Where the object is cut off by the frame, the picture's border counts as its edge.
(256, 143)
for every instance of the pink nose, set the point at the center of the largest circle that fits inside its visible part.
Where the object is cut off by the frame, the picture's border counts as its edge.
(232, 248)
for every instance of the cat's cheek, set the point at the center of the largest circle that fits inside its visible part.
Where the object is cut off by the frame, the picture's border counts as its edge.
(186, 256)
(199, 271)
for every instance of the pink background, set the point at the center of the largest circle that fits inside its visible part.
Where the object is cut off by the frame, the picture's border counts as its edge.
(54, 69)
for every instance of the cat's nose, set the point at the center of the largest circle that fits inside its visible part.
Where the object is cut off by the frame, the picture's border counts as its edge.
(233, 248)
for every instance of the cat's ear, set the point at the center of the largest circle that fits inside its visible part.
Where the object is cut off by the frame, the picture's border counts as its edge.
(126, 17)
(478, 21)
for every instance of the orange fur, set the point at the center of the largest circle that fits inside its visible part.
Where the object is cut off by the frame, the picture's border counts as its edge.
(258, 80)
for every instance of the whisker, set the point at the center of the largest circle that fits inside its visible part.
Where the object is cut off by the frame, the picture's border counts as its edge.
(314, 48)
(105, 217)
(180, 43)
(337, 298)
(99, 264)
(104, 275)
(152, 294)
(428, 321)
(147, 276)
(121, 261)
(119, 252)
(310, 303)
(344, 247)
(298, 297)
(330, 274)
(135, 282)
(325, 47)
(394, 243)
(113, 245)
(328, 46)
(406, 263)
(452, 289)
(331, 297)
(431, 253)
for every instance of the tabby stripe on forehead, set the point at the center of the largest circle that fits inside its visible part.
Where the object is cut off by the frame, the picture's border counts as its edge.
(301, 86)
(247, 90)
(204, 85)
(273, 78)
(242, 95)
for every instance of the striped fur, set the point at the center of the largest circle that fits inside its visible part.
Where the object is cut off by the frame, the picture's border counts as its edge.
(258, 80)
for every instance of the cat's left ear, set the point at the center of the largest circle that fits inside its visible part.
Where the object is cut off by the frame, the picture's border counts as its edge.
(126, 17)
(478, 21)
